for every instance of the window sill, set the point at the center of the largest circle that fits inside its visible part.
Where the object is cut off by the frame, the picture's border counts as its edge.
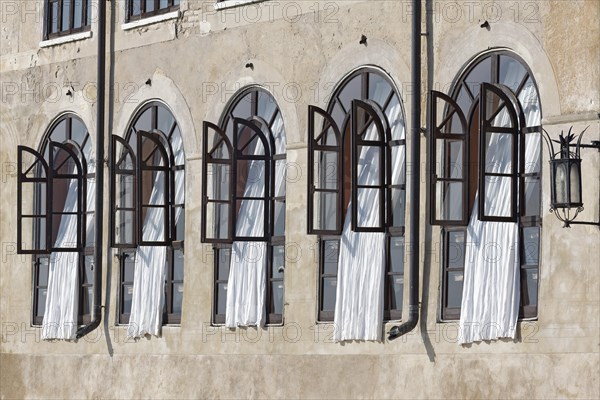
(222, 5)
(66, 39)
(150, 20)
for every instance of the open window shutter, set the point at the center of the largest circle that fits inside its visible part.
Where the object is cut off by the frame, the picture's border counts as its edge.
(324, 174)
(67, 174)
(153, 182)
(498, 148)
(33, 228)
(217, 185)
(370, 184)
(123, 194)
(251, 178)
(448, 162)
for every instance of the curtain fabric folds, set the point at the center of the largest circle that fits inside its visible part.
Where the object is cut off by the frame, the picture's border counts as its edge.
(62, 299)
(148, 297)
(491, 291)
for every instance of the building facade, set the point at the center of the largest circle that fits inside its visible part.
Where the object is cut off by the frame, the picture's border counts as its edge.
(257, 200)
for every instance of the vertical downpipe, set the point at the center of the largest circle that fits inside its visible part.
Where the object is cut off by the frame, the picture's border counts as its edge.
(99, 212)
(415, 152)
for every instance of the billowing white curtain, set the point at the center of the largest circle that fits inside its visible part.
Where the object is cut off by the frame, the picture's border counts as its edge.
(148, 297)
(62, 299)
(491, 291)
(361, 263)
(247, 282)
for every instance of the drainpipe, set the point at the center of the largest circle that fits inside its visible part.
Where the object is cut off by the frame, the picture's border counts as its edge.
(415, 152)
(97, 298)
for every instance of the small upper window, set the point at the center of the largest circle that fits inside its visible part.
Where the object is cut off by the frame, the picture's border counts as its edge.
(64, 17)
(138, 9)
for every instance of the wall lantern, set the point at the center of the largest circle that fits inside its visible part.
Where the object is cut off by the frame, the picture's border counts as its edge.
(566, 200)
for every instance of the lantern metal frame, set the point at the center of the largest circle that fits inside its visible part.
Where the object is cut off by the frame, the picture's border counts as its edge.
(570, 205)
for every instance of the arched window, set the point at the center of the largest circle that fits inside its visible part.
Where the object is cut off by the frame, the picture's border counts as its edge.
(57, 227)
(148, 219)
(356, 198)
(243, 209)
(485, 154)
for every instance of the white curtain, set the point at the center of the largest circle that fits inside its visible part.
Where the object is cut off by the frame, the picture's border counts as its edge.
(361, 263)
(247, 282)
(62, 299)
(491, 291)
(148, 297)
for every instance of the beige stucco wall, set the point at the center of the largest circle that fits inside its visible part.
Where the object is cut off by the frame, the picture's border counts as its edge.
(196, 62)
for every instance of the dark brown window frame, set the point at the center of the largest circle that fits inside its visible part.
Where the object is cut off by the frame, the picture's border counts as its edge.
(83, 249)
(62, 31)
(172, 5)
(162, 142)
(529, 311)
(270, 198)
(346, 149)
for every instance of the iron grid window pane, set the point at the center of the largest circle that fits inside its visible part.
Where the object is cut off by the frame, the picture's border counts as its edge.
(449, 161)
(497, 103)
(324, 173)
(123, 195)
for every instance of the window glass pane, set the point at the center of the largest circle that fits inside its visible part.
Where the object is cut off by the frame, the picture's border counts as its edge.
(177, 297)
(78, 14)
(396, 291)
(449, 205)
(165, 120)
(379, 89)
(511, 72)
(530, 101)
(450, 159)
(66, 15)
(129, 267)
(249, 211)
(481, 73)
(250, 178)
(219, 214)
(221, 298)
(398, 209)
(277, 293)
(351, 91)
(180, 223)
(89, 13)
(531, 245)
(326, 170)
(124, 226)
(499, 152)
(153, 187)
(88, 270)
(175, 2)
(455, 287)
(456, 249)
(279, 218)
(144, 121)
(42, 271)
(280, 178)
(127, 296)
(278, 264)
(149, 5)
(54, 17)
(532, 196)
(369, 203)
(464, 102)
(330, 256)
(218, 176)
(325, 214)
(532, 153)
(398, 165)
(397, 254)
(29, 225)
(41, 302)
(154, 226)
(224, 260)
(59, 133)
(125, 190)
(87, 300)
(329, 293)
(498, 195)
(178, 265)
(529, 281)
(395, 119)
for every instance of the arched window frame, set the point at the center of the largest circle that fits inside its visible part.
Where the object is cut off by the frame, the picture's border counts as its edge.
(458, 117)
(222, 152)
(46, 173)
(342, 141)
(127, 215)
